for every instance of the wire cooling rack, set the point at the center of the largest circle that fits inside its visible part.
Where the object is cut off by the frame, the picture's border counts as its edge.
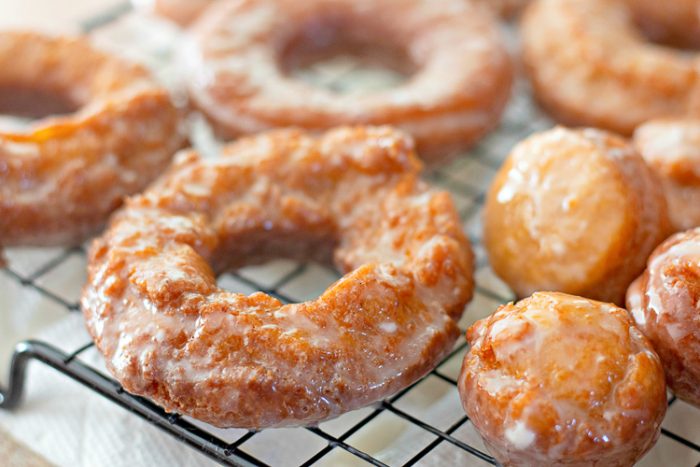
(439, 436)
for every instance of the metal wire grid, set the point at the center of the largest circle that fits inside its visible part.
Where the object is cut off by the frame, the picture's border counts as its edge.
(466, 179)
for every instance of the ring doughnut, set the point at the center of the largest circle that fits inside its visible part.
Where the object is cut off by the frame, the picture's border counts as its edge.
(590, 66)
(241, 54)
(182, 12)
(61, 177)
(672, 150)
(664, 304)
(559, 380)
(576, 211)
(352, 195)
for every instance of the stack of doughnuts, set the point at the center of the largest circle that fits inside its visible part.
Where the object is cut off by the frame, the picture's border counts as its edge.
(576, 221)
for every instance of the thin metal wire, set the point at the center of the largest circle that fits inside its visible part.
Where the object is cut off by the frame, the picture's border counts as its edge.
(70, 365)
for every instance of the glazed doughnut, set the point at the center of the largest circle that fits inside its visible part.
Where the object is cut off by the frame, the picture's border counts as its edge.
(243, 54)
(676, 22)
(589, 65)
(559, 380)
(576, 211)
(182, 12)
(672, 150)
(62, 176)
(664, 302)
(352, 196)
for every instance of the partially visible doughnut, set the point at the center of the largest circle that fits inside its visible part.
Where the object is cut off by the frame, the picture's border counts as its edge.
(589, 65)
(460, 72)
(557, 380)
(576, 211)
(61, 177)
(352, 196)
(672, 150)
(665, 303)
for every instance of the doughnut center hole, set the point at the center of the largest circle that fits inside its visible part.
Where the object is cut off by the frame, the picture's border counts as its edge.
(292, 264)
(331, 54)
(287, 280)
(22, 105)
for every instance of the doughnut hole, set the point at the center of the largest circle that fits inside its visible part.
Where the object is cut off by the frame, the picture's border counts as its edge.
(573, 211)
(560, 380)
(665, 304)
(331, 53)
(671, 147)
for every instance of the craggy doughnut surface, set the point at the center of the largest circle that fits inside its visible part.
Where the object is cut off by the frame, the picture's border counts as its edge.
(665, 303)
(352, 196)
(589, 65)
(672, 150)
(61, 177)
(460, 71)
(576, 211)
(559, 380)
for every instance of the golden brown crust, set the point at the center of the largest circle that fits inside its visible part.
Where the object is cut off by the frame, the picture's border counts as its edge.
(575, 211)
(671, 147)
(559, 380)
(664, 303)
(458, 93)
(62, 177)
(590, 66)
(353, 197)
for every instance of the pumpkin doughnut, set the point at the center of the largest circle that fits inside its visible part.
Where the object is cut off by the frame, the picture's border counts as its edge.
(62, 176)
(352, 196)
(589, 65)
(559, 380)
(665, 303)
(672, 150)
(243, 54)
(576, 211)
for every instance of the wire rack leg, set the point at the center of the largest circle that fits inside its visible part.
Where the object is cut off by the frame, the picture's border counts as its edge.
(11, 397)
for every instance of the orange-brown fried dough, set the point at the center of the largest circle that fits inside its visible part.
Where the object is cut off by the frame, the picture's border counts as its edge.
(353, 197)
(665, 303)
(576, 211)
(460, 73)
(559, 380)
(589, 65)
(671, 147)
(62, 176)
